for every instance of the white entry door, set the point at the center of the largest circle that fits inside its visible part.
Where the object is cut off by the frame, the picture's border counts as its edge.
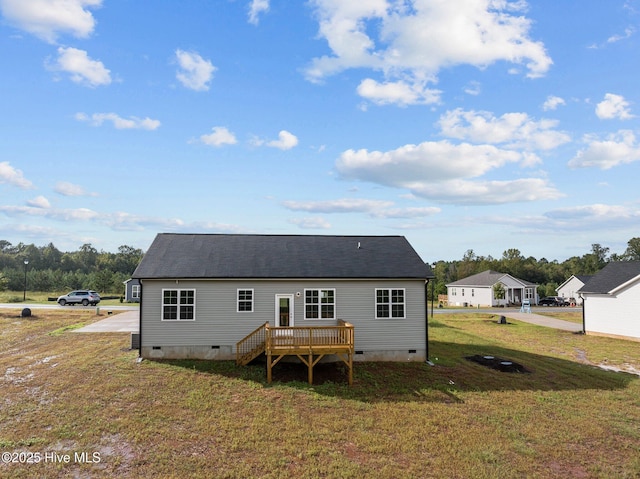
(284, 310)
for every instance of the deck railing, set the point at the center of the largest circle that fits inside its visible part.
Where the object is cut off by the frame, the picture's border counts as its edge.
(251, 346)
(309, 337)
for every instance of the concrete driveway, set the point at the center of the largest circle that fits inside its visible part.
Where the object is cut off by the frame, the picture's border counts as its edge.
(541, 320)
(125, 322)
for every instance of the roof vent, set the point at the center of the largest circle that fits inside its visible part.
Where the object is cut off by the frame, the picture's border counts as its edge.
(358, 244)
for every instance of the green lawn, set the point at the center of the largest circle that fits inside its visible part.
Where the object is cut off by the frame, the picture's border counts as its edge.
(65, 393)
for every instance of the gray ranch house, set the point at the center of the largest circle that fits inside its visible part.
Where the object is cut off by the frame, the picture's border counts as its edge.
(611, 301)
(202, 294)
(132, 291)
(482, 290)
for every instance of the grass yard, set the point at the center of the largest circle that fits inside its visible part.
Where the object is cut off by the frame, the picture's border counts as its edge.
(85, 398)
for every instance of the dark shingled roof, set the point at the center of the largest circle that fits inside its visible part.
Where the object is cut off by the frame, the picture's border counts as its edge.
(612, 276)
(280, 256)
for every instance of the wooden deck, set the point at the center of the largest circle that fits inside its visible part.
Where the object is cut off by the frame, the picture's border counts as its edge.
(310, 344)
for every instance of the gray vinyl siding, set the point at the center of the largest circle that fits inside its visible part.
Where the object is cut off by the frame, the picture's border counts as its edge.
(218, 323)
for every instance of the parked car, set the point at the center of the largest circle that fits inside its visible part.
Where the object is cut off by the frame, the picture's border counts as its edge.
(551, 301)
(85, 297)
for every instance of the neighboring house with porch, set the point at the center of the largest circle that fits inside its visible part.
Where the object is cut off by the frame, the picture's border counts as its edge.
(132, 290)
(569, 289)
(202, 294)
(490, 288)
(611, 301)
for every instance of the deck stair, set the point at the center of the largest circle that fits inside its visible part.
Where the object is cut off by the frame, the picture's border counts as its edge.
(310, 344)
(252, 346)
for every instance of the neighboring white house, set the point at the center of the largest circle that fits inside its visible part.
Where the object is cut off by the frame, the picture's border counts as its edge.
(482, 290)
(612, 301)
(204, 293)
(569, 289)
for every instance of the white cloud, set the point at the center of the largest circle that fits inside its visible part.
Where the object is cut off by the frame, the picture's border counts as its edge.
(285, 141)
(553, 102)
(83, 70)
(311, 223)
(473, 88)
(411, 42)
(513, 130)
(617, 149)
(39, 202)
(47, 19)
(445, 172)
(345, 205)
(613, 106)
(404, 213)
(595, 217)
(398, 92)
(628, 33)
(195, 72)
(571, 220)
(220, 136)
(374, 208)
(487, 192)
(65, 188)
(78, 214)
(132, 123)
(256, 7)
(14, 177)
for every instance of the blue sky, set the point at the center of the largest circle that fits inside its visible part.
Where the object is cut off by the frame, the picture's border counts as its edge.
(475, 124)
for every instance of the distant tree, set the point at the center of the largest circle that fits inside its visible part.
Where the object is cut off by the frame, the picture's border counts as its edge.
(468, 265)
(596, 260)
(88, 257)
(632, 253)
(102, 281)
(512, 262)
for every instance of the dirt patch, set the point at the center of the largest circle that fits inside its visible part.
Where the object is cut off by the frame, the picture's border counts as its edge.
(322, 373)
(499, 364)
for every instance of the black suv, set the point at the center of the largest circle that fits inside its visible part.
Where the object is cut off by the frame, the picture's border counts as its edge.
(551, 301)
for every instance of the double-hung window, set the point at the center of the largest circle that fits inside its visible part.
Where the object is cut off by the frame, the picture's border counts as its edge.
(245, 300)
(135, 291)
(320, 304)
(178, 304)
(390, 303)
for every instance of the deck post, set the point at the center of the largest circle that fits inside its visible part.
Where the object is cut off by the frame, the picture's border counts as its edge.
(310, 367)
(350, 354)
(267, 338)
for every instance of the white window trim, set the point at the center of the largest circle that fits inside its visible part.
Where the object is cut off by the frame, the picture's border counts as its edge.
(253, 296)
(320, 318)
(135, 291)
(404, 303)
(162, 305)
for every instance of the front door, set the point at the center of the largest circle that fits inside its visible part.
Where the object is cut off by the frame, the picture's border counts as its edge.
(284, 310)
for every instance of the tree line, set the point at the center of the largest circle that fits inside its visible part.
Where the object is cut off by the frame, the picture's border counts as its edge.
(47, 269)
(51, 270)
(548, 275)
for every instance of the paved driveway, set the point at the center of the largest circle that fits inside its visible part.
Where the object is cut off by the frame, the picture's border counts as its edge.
(125, 322)
(545, 321)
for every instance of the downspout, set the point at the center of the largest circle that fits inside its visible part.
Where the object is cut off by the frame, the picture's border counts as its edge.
(426, 320)
(140, 323)
(584, 323)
